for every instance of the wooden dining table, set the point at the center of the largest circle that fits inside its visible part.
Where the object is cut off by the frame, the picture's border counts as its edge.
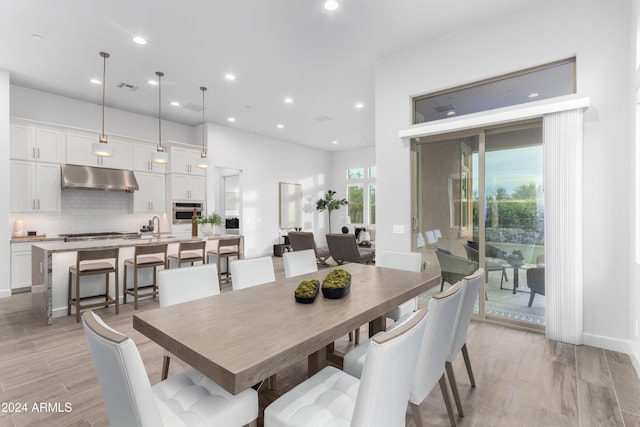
(239, 338)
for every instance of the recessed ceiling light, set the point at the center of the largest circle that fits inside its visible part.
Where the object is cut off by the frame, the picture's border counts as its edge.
(96, 81)
(280, 126)
(288, 100)
(359, 105)
(231, 119)
(331, 5)
(334, 142)
(175, 103)
(534, 95)
(230, 76)
(139, 40)
(153, 82)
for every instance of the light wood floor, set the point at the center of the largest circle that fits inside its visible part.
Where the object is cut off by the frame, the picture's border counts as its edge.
(522, 379)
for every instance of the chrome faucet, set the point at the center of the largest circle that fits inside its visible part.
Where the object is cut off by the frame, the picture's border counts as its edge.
(153, 220)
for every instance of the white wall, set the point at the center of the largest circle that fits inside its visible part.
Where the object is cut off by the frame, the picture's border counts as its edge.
(48, 108)
(5, 248)
(634, 223)
(265, 162)
(598, 34)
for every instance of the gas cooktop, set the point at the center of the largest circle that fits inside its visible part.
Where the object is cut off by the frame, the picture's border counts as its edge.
(100, 235)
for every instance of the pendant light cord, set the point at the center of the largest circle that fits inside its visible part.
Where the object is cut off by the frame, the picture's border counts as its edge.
(204, 151)
(104, 85)
(160, 74)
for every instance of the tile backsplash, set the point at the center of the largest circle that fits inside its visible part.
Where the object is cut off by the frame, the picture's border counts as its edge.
(85, 211)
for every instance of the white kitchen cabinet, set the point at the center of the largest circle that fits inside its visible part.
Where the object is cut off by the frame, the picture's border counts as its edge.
(79, 152)
(35, 187)
(183, 160)
(20, 265)
(37, 143)
(150, 197)
(142, 155)
(186, 187)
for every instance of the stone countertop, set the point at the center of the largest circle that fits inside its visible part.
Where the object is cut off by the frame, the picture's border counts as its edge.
(61, 246)
(38, 238)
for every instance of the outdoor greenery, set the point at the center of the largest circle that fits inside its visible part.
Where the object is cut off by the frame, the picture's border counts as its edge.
(518, 210)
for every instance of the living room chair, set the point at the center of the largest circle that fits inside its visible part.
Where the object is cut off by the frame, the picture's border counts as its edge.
(185, 399)
(303, 240)
(470, 290)
(407, 261)
(344, 248)
(435, 344)
(379, 398)
(180, 285)
(453, 268)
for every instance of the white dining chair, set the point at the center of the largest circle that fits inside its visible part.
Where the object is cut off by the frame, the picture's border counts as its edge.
(470, 291)
(297, 263)
(407, 261)
(180, 285)
(251, 272)
(430, 368)
(185, 399)
(377, 399)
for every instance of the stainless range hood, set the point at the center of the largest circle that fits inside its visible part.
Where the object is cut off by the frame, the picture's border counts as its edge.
(76, 177)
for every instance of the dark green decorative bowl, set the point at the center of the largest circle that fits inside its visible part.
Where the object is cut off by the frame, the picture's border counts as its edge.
(306, 297)
(337, 284)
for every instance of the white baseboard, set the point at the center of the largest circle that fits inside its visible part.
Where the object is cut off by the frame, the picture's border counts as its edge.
(615, 344)
(5, 293)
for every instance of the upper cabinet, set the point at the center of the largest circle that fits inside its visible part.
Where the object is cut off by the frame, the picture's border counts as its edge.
(35, 186)
(142, 155)
(183, 160)
(79, 152)
(37, 143)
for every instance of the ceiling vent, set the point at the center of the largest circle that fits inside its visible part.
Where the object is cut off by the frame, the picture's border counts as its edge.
(128, 86)
(192, 107)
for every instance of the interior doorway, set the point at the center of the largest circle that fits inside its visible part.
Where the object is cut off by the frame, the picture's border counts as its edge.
(228, 198)
(479, 200)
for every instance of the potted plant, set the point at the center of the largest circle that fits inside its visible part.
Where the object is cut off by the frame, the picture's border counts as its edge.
(207, 223)
(330, 204)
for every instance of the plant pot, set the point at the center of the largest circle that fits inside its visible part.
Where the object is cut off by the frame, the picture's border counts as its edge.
(206, 229)
(307, 300)
(336, 293)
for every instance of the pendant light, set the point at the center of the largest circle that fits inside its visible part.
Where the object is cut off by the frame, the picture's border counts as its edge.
(203, 162)
(101, 148)
(160, 156)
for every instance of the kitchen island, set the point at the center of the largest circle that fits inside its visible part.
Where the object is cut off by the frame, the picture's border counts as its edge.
(50, 263)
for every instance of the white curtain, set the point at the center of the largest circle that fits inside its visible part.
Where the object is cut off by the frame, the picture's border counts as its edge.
(563, 133)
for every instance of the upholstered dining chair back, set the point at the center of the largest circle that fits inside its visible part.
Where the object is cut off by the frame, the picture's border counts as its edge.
(187, 398)
(180, 285)
(388, 373)
(469, 295)
(123, 379)
(435, 346)
(407, 261)
(298, 263)
(251, 272)
(344, 248)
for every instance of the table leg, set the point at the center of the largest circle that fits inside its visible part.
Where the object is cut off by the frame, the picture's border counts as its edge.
(316, 361)
(377, 325)
(515, 279)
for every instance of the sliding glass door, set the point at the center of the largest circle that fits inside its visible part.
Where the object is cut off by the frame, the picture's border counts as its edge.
(479, 199)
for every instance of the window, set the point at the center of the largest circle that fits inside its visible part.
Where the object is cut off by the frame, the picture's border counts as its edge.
(533, 84)
(361, 194)
(355, 196)
(355, 173)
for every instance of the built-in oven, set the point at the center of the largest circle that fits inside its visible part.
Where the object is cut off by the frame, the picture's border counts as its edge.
(183, 211)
